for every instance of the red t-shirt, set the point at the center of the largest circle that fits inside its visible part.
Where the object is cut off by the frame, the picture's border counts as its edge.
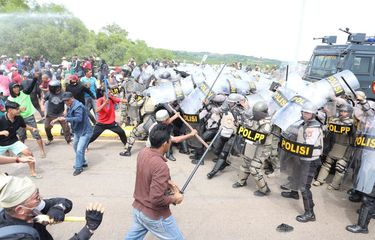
(107, 114)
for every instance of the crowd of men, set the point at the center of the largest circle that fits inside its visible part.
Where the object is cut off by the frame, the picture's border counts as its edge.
(83, 96)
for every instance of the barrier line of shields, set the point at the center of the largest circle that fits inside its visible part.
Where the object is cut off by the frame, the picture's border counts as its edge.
(286, 106)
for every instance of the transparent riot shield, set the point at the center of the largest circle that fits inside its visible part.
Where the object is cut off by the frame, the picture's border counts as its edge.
(132, 86)
(365, 141)
(136, 73)
(163, 93)
(335, 86)
(146, 75)
(187, 85)
(290, 113)
(221, 85)
(294, 171)
(254, 98)
(279, 99)
(193, 102)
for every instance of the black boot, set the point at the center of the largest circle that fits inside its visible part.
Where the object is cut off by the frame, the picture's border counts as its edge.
(308, 216)
(184, 149)
(126, 153)
(354, 196)
(259, 193)
(170, 156)
(196, 161)
(291, 194)
(308, 204)
(216, 168)
(363, 221)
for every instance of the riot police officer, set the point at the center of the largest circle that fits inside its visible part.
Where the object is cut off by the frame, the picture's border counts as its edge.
(141, 130)
(309, 132)
(256, 132)
(364, 177)
(209, 124)
(233, 109)
(341, 128)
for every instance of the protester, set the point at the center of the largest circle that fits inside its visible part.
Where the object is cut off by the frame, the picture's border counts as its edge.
(23, 206)
(9, 124)
(55, 108)
(78, 118)
(106, 117)
(154, 191)
(22, 97)
(79, 90)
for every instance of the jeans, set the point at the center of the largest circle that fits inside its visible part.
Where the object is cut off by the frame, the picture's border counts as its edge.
(165, 229)
(80, 143)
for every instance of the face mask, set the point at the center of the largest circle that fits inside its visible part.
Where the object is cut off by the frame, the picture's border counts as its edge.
(36, 210)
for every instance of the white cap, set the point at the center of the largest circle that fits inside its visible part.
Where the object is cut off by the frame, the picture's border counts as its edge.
(162, 115)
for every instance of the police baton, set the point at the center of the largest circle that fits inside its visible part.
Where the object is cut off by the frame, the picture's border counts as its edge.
(199, 163)
(350, 88)
(188, 125)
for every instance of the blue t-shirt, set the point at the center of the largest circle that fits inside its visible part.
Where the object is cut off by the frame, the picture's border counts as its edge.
(92, 82)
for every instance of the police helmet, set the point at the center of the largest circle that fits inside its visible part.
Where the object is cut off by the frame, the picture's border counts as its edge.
(235, 98)
(309, 107)
(162, 115)
(260, 110)
(219, 98)
(260, 106)
(346, 108)
(165, 75)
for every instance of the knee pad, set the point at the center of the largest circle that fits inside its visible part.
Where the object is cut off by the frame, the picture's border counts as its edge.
(341, 165)
(327, 163)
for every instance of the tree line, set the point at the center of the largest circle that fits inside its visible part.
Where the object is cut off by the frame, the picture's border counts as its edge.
(28, 28)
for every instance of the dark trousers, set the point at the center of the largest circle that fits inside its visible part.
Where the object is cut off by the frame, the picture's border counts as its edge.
(114, 127)
(307, 173)
(64, 125)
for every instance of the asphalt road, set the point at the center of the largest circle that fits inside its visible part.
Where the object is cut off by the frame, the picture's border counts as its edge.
(211, 209)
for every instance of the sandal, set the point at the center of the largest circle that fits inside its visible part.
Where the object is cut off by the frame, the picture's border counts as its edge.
(38, 176)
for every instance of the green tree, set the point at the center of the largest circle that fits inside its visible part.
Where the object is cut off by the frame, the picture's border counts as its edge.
(8, 6)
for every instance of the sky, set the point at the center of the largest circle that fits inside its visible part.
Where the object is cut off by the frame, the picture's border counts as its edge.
(277, 29)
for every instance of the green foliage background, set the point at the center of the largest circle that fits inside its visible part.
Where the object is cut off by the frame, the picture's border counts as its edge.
(51, 30)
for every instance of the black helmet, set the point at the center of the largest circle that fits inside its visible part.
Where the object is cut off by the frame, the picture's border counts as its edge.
(54, 86)
(260, 110)
(165, 75)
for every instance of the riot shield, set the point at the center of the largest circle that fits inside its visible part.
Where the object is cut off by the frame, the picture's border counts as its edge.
(254, 98)
(193, 102)
(279, 99)
(136, 73)
(294, 171)
(290, 113)
(146, 75)
(365, 141)
(221, 86)
(132, 86)
(178, 90)
(187, 85)
(163, 93)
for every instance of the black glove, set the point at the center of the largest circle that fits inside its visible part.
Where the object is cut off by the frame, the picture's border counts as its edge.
(56, 213)
(93, 219)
